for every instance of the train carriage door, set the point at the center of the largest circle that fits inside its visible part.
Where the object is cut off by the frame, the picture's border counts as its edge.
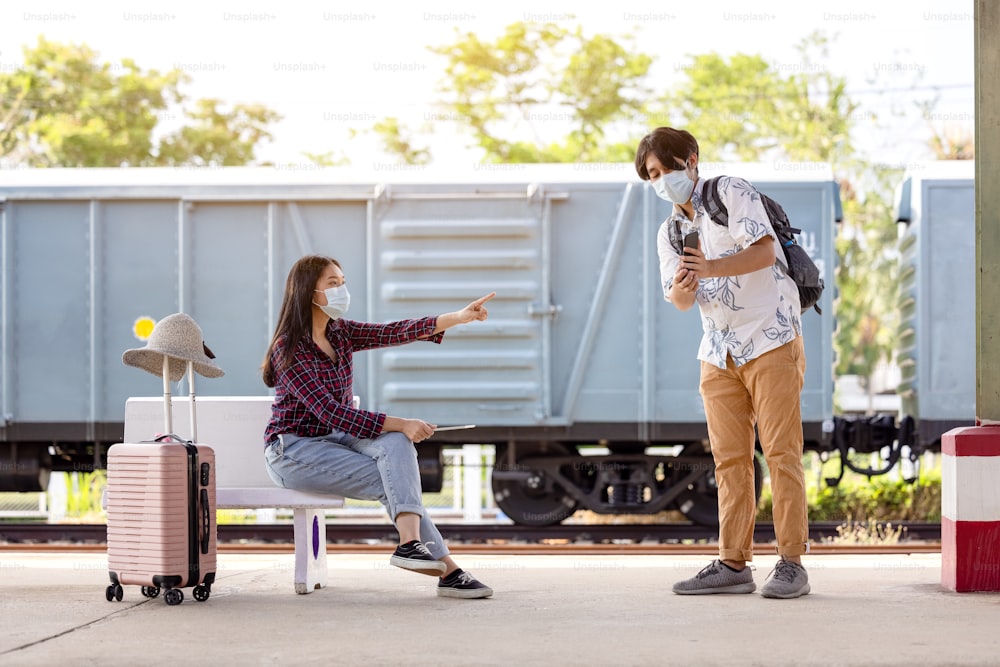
(433, 250)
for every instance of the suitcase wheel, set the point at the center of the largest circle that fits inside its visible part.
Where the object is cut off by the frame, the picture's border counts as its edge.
(201, 593)
(174, 596)
(114, 592)
(150, 591)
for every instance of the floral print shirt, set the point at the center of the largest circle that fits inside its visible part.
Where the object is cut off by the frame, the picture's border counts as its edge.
(742, 316)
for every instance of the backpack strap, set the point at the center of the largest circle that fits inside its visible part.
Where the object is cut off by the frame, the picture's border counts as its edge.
(714, 205)
(719, 214)
(676, 238)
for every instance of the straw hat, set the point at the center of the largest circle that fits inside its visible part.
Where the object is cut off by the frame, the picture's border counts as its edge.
(178, 337)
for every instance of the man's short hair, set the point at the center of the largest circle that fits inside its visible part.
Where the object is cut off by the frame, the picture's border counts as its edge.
(665, 143)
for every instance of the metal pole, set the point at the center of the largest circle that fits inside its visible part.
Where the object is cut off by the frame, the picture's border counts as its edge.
(95, 327)
(168, 422)
(651, 300)
(194, 418)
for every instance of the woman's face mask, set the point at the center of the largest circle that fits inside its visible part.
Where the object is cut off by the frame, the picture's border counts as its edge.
(338, 299)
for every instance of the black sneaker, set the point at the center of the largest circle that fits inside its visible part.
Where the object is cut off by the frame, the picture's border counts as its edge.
(414, 556)
(461, 584)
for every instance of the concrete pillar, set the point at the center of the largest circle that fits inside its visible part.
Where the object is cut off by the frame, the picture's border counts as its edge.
(970, 509)
(970, 481)
(987, 29)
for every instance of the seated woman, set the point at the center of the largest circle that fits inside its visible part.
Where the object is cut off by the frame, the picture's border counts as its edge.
(316, 441)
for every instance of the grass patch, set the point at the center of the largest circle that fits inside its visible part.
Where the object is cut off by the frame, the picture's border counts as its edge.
(865, 532)
(878, 499)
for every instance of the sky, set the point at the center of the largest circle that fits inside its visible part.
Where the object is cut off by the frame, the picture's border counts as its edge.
(330, 67)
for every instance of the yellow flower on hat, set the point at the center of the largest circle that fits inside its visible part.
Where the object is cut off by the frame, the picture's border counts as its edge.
(143, 327)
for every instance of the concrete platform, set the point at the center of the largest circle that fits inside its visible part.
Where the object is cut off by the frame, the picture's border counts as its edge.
(547, 610)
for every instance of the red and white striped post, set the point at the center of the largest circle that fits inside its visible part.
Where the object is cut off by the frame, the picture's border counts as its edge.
(970, 509)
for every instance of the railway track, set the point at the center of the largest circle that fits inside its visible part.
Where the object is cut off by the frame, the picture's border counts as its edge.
(904, 537)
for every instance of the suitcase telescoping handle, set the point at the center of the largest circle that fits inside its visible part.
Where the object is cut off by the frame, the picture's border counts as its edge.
(194, 417)
(168, 417)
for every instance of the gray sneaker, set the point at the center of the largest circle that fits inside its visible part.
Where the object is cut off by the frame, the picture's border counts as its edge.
(787, 580)
(717, 578)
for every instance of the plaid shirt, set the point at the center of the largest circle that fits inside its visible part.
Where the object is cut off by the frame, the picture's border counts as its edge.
(313, 395)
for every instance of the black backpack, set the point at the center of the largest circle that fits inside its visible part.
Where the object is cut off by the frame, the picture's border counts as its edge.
(797, 265)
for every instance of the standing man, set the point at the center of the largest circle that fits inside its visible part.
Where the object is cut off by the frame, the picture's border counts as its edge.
(752, 359)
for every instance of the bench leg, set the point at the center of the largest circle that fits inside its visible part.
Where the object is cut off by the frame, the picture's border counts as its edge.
(310, 549)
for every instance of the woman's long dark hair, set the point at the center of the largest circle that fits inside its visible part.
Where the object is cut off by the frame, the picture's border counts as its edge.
(295, 318)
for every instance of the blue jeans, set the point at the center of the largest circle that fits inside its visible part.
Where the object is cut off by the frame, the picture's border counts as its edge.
(383, 469)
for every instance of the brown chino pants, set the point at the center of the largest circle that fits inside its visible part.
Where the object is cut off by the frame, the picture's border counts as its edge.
(766, 392)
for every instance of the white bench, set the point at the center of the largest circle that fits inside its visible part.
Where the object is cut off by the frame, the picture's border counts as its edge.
(233, 426)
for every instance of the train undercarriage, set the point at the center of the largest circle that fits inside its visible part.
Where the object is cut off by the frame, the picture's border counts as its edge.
(543, 481)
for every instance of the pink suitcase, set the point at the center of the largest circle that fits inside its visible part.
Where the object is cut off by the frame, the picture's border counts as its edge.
(161, 494)
(161, 519)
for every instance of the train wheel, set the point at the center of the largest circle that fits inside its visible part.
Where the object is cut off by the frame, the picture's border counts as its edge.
(700, 502)
(536, 500)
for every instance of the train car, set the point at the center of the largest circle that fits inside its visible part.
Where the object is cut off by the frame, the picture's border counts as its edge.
(937, 338)
(936, 347)
(583, 378)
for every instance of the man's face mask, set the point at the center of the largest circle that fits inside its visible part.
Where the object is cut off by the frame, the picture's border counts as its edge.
(674, 186)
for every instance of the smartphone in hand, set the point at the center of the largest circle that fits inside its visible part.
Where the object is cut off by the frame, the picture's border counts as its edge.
(690, 241)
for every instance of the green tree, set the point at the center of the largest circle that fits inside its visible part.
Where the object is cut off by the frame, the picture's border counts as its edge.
(732, 101)
(398, 140)
(539, 75)
(867, 276)
(751, 110)
(952, 142)
(65, 107)
(217, 137)
(327, 159)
